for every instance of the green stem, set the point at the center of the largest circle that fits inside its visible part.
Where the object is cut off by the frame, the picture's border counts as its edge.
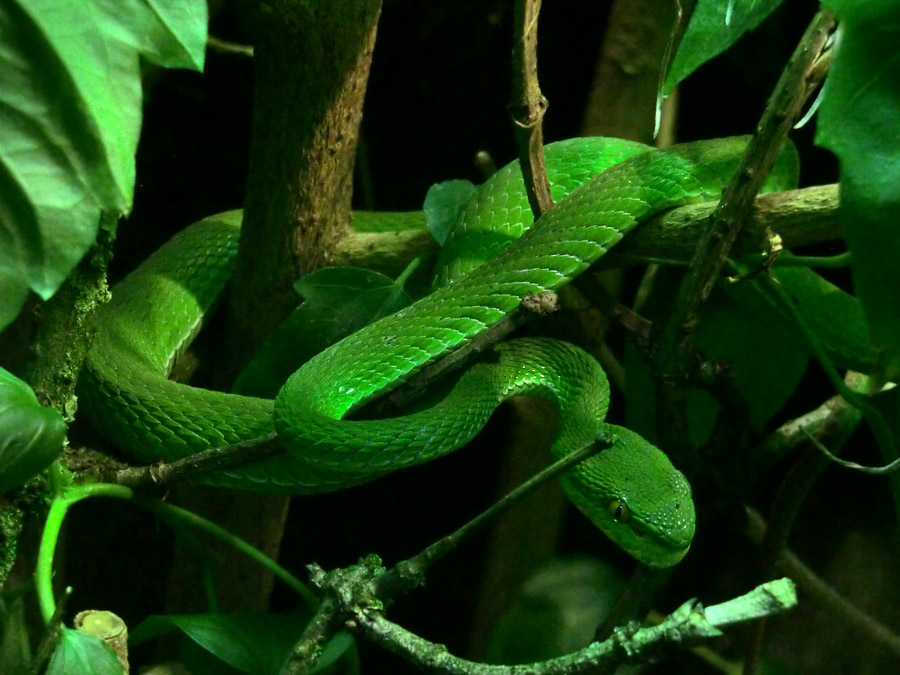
(173, 515)
(56, 476)
(406, 273)
(176, 514)
(43, 575)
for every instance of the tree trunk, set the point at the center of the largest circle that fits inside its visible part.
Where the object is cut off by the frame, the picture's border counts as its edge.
(311, 67)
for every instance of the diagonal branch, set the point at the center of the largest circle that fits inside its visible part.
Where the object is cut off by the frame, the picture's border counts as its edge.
(803, 74)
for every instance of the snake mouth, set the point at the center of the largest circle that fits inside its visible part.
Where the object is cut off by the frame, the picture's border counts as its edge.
(666, 550)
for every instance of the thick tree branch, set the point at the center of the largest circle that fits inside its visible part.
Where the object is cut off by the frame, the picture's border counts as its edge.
(311, 67)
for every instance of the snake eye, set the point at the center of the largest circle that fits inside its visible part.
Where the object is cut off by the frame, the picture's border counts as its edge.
(619, 511)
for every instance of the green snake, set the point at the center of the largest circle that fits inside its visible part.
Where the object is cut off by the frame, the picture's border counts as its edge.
(630, 490)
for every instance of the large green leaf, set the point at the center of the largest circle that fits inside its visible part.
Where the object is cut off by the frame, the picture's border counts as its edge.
(70, 117)
(77, 652)
(835, 317)
(860, 119)
(252, 643)
(31, 436)
(715, 26)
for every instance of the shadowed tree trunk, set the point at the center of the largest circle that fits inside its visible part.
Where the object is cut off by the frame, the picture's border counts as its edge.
(312, 62)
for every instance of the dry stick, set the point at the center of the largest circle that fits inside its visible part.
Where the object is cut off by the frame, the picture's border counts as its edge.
(162, 474)
(800, 217)
(639, 327)
(528, 106)
(803, 74)
(801, 77)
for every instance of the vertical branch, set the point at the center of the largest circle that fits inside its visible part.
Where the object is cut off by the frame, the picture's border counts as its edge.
(509, 560)
(312, 63)
(312, 60)
(527, 106)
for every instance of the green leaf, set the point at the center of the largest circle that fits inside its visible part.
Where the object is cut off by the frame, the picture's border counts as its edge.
(765, 354)
(251, 643)
(77, 652)
(715, 26)
(339, 301)
(859, 120)
(835, 317)
(443, 204)
(71, 101)
(31, 436)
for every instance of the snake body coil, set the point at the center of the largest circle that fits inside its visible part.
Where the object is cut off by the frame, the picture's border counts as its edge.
(631, 490)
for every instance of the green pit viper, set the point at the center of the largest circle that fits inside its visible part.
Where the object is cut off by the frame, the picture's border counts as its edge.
(630, 490)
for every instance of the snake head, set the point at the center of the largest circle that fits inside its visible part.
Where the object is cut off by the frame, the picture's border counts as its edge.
(636, 497)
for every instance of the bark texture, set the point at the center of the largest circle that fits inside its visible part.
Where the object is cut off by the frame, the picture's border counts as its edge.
(312, 64)
(312, 60)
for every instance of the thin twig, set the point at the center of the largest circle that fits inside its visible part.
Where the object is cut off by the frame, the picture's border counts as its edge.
(626, 317)
(226, 47)
(163, 474)
(528, 106)
(411, 573)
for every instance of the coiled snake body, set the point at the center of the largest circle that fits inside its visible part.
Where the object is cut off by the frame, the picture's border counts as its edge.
(630, 490)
